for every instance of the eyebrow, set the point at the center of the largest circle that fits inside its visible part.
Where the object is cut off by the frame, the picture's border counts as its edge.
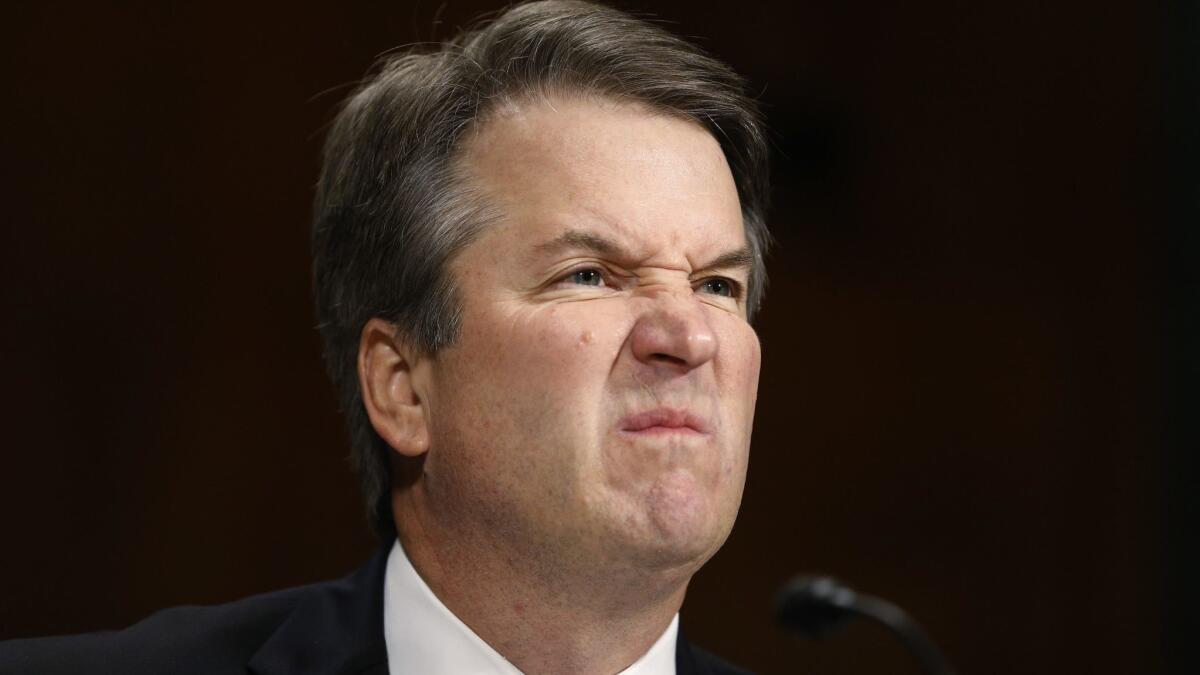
(580, 239)
(741, 258)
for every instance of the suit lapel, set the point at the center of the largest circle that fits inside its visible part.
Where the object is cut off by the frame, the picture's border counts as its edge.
(336, 629)
(685, 661)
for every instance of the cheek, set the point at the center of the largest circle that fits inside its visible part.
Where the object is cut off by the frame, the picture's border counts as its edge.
(569, 347)
(534, 389)
(740, 372)
(535, 370)
(741, 360)
(753, 368)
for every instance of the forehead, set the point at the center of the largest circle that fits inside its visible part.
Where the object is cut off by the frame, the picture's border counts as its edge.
(657, 182)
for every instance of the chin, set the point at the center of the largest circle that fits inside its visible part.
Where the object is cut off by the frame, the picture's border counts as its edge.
(677, 552)
(684, 525)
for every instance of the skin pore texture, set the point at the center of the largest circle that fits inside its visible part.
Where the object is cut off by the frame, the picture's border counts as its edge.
(581, 448)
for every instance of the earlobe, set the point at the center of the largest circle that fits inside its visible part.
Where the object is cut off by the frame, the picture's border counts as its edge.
(389, 390)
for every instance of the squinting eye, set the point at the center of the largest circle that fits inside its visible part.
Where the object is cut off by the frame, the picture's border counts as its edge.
(719, 286)
(587, 277)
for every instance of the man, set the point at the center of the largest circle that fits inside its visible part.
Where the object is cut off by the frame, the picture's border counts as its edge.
(536, 253)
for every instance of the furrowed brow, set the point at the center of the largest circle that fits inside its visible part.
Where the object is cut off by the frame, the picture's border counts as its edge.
(741, 259)
(582, 240)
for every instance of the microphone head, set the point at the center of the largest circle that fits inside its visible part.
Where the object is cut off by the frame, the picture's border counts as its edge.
(813, 606)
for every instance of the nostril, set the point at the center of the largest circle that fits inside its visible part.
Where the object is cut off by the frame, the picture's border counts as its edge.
(667, 358)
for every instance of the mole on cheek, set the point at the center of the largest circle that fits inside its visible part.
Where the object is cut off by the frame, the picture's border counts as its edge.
(586, 338)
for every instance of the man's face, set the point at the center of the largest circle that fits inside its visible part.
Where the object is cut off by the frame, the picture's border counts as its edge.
(596, 408)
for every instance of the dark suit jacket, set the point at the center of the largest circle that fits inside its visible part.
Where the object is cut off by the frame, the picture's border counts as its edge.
(330, 628)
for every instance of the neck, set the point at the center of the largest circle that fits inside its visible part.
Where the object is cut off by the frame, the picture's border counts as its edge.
(544, 617)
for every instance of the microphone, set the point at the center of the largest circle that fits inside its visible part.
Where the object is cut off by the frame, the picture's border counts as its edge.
(815, 606)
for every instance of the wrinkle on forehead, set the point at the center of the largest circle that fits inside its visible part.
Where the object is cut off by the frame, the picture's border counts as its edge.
(586, 241)
(657, 184)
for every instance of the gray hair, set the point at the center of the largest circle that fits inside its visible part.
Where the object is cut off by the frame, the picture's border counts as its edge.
(390, 212)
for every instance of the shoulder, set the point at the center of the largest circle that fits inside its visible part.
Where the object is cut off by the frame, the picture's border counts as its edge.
(214, 639)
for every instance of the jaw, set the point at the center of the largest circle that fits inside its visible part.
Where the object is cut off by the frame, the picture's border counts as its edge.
(663, 529)
(668, 502)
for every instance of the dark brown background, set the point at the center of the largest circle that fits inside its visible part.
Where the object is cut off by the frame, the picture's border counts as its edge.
(967, 358)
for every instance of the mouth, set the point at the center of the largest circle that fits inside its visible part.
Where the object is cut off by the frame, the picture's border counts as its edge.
(665, 421)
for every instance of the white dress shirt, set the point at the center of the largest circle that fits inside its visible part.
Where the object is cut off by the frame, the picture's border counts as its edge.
(423, 636)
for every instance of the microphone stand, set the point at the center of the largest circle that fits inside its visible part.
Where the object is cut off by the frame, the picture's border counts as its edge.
(813, 606)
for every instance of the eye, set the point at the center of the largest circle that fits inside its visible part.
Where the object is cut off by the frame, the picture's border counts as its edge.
(589, 276)
(720, 286)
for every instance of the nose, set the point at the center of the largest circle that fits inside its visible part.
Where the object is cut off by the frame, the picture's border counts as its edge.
(674, 333)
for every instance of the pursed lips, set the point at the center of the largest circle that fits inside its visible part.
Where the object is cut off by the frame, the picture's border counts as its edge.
(665, 421)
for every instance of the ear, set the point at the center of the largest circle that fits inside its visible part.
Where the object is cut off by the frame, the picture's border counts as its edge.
(390, 392)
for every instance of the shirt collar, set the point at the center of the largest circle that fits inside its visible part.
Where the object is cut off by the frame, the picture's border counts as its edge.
(424, 636)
